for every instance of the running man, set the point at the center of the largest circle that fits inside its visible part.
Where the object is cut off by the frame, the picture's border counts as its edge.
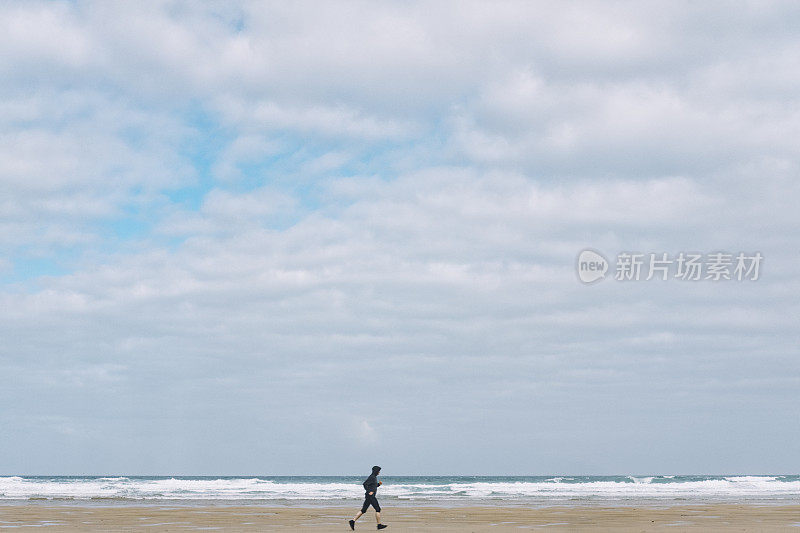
(371, 485)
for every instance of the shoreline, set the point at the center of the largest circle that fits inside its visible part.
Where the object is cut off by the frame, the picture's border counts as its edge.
(250, 518)
(102, 502)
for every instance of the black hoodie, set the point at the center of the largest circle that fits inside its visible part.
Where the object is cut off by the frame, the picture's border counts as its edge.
(371, 483)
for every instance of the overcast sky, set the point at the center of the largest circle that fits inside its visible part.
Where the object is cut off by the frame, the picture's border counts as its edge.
(305, 238)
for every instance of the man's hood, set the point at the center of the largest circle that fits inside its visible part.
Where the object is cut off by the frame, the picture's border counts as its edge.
(376, 470)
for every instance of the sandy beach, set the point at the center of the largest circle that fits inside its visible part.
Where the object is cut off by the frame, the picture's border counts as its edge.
(709, 518)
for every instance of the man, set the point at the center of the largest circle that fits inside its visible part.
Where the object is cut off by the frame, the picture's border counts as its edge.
(370, 490)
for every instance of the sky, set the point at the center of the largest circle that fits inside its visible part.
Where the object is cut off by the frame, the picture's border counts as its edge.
(254, 238)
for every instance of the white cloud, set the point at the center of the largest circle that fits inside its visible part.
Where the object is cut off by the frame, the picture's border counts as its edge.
(378, 208)
(330, 122)
(366, 433)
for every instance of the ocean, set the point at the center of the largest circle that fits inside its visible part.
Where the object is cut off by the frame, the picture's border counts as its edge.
(402, 490)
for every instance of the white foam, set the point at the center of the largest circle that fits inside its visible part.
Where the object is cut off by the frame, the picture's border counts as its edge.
(733, 487)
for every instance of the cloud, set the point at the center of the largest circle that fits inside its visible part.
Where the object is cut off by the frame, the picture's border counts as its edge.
(366, 434)
(305, 223)
(330, 122)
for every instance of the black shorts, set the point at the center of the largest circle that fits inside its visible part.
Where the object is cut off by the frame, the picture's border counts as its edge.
(370, 499)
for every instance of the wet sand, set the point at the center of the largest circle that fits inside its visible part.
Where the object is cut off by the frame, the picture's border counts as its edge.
(708, 518)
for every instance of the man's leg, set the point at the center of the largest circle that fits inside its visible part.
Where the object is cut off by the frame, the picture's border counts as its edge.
(358, 515)
(363, 508)
(378, 517)
(377, 507)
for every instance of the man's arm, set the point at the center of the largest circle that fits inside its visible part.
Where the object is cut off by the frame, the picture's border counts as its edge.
(371, 484)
